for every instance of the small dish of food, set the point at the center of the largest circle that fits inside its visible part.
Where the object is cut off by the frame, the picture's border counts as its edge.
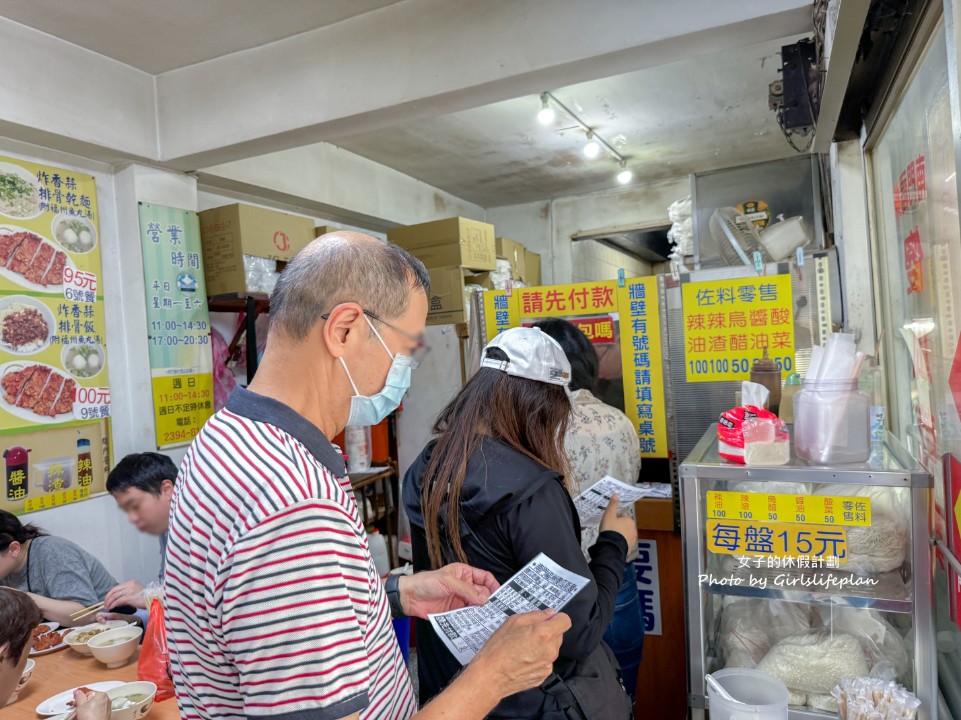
(114, 648)
(74, 234)
(44, 628)
(78, 639)
(62, 703)
(131, 701)
(26, 325)
(82, 361)
(47, 643)
(19, 192)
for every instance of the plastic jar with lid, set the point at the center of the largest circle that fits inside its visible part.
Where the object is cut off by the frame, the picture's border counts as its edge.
(832, 422)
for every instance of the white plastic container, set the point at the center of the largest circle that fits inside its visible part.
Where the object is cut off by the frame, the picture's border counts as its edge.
(358, 450)
(55, 474)
(832, 422)
(758, 696)
(784, 237)
(378, 551)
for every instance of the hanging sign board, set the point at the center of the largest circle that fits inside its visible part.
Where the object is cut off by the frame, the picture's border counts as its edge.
(642, 364)
(55, 401)
(729, 323)
(623, 324)
(178, 323)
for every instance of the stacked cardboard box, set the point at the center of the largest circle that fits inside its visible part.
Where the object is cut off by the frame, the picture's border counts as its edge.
(516, 254)
(231, 233)
(324, 229)
(532, 267)
(454, 251)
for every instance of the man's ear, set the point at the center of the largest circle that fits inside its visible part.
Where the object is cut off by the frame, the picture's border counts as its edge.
(343, 320)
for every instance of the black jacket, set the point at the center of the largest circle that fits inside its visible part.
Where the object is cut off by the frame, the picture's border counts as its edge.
(513, 508)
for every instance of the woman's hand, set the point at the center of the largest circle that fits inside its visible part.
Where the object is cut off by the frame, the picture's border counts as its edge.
(91, 705)
(623, 525)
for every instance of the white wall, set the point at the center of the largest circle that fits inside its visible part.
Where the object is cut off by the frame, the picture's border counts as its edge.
(851, 235)
(74, 97)
(547, 227)
(329, 182)
(591, 261)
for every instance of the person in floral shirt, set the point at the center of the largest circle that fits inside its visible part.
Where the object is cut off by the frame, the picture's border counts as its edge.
(600, 441)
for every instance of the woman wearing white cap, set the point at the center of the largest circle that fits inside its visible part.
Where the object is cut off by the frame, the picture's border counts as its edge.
(491, 490)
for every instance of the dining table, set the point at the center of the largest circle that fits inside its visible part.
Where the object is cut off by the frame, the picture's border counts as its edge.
(67, 669)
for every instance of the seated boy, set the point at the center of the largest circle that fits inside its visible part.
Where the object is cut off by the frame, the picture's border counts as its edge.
(142, 484)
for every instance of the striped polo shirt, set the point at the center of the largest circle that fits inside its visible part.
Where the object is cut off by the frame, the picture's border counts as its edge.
(274, 607)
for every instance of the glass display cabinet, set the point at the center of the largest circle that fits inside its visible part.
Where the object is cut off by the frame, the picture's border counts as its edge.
(808, 573)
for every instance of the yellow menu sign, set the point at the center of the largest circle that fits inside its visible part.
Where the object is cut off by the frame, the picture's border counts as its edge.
(643, 367)
(730, 323)
(568, 300)
(776, 539)
(53, 349)
(500, 311)
(774, 508)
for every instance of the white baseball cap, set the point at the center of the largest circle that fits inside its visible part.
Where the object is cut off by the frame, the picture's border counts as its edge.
(531, 354)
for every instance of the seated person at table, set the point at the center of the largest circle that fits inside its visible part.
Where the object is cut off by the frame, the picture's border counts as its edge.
(142, 485)
(492, 490)
(18, 617)
(60, 577)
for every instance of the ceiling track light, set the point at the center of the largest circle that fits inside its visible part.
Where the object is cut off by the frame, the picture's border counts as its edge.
(595, 142)
(546, 115)
(592, 149)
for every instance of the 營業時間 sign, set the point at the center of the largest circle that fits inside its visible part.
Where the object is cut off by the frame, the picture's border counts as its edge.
(178, 323)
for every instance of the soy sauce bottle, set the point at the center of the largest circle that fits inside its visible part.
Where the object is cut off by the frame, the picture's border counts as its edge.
(17, 463)
(766, 372)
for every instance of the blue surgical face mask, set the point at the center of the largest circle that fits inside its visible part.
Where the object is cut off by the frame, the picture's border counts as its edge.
(370, 410)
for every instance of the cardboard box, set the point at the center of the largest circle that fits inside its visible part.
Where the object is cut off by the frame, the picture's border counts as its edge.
(483, 279)
(324, 229)
(447, 304)
(655, 514)
(445, 243)
(533, 269)
(515, 254)
(230, 232)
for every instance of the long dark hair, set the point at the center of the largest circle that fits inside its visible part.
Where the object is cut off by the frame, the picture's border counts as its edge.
(12, 530)
(580, 353)
(529, 416)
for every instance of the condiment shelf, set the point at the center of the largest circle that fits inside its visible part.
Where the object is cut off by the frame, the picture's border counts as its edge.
(889, 465)
(787, 566)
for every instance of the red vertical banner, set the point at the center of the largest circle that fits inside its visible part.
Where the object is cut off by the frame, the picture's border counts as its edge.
(953, 494)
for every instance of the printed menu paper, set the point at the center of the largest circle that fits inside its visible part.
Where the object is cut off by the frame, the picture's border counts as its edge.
(592, 503)
(539, 585)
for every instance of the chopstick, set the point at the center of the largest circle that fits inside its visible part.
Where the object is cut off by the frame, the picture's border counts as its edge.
(80, 614)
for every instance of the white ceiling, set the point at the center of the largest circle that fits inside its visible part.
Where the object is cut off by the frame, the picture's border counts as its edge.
(698, 114)
(160, 35)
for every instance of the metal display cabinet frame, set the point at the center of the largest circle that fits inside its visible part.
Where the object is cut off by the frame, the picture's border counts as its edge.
(890, 467)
